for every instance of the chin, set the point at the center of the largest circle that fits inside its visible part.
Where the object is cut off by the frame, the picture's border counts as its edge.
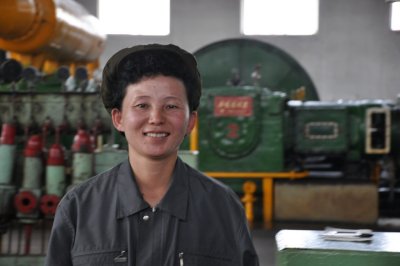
(163, 155)
(159, 157)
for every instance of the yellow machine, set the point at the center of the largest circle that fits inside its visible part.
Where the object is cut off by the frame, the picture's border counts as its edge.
(47, 34)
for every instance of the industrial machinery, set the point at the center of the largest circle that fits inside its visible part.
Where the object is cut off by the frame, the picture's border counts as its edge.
(252, 129)
(51, 114)
(261, 130)
(46, 34)
(260, 118)
(240, 62)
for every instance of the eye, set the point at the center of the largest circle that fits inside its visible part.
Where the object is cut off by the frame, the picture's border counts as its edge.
(141, 105)
(171, 106)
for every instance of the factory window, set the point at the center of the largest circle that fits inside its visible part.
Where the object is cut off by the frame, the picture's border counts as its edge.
(395, 16)
(277, 17)
(135, 17)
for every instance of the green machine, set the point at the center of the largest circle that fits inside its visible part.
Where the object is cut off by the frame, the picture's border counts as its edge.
(242, 129)
(241, 62)
(260, 117)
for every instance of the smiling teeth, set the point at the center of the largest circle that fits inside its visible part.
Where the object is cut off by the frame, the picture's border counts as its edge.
(156, 135)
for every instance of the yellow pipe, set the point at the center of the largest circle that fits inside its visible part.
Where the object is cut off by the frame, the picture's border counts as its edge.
(16, 18)
(267, 186)
(249, 187)
(62, 32)
(290, 175)
(268, 201)
(194, 138)
(32, 36)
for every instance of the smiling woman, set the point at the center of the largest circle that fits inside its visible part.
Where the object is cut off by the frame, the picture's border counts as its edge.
(135, 17)
(154, 209)
(154, 117)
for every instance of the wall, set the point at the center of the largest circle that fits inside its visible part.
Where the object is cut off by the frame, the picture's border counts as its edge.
(353, 56)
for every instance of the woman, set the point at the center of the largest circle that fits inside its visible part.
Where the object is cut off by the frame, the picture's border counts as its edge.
(152, 209)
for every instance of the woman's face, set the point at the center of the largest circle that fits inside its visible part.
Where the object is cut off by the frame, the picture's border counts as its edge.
(155, 117)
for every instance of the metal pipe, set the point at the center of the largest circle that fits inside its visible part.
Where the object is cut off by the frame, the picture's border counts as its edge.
(28, 236)
(48, 33)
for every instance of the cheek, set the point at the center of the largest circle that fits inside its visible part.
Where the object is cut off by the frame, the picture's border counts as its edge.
(182, 121)
(183, 124)
(132, 121)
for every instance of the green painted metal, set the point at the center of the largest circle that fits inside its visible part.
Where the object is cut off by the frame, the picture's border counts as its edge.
(22, 260)
(334, 258)
(240, 141)
(59, 108)
(357, 121)
(33, 168)
(279, 71)
(108, 158)
(7, 158)
(55, 180)
(333, 127)
(50, 84)
(235, 136)
(83, 167)
(321, 128)
(190, 157)
(303, 247)
(7, 193)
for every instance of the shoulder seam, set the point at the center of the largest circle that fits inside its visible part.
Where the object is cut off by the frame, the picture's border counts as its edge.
(68, 223)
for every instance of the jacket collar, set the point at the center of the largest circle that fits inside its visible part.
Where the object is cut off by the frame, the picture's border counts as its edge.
(130, 200)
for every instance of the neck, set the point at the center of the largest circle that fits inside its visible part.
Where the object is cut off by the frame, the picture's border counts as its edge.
(153, 177)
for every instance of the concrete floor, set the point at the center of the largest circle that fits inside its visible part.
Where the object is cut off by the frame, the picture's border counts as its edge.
(264, 239)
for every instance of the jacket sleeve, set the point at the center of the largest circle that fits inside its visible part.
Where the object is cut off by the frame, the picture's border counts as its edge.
(248, 255)
(61, 240)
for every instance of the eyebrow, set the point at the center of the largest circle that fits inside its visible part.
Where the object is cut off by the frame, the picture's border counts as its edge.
(165, 98)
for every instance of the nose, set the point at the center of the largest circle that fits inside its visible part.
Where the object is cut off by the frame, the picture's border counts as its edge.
(156, 116)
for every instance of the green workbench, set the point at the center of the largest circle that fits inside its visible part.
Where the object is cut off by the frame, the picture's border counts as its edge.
(307, 247)
(21, 260)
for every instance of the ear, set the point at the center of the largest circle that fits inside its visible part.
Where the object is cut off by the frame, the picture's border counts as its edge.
(116, 117)
(192, 122)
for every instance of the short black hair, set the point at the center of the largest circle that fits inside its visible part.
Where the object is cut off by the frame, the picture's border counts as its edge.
(130, 65)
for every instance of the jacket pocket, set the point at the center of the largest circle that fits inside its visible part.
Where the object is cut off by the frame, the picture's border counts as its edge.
(203, 259)
(101, 258)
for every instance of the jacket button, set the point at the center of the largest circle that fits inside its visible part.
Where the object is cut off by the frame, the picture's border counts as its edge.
(146, 217)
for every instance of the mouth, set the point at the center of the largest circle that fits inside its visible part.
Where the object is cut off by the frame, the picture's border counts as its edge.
(156, 135)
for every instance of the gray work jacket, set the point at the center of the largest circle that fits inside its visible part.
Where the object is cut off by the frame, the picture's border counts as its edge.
(105, 221)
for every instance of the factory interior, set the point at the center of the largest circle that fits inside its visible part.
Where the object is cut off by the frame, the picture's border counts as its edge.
(315, 159)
